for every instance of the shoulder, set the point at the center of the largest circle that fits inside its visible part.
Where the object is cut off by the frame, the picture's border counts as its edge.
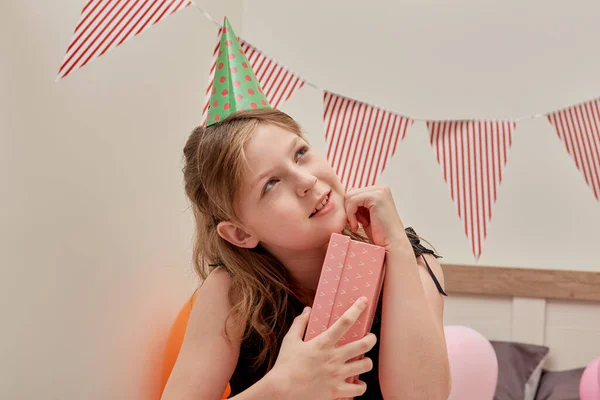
(218, 279)
(433, 263)
(213, 301)
(435, 298)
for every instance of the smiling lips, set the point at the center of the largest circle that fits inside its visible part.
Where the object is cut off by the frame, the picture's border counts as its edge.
(322, 203)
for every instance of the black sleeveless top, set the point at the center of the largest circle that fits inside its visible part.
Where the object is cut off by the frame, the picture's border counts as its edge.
(245, 375)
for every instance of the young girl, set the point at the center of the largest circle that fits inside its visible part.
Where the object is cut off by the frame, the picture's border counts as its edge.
(265, 205)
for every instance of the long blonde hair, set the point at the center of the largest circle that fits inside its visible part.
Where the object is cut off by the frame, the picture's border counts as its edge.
(261, 289)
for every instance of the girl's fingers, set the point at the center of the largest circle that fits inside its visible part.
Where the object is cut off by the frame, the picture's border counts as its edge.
(352, 205)
(363, 216)
(352, 221)
(355, 389)
(340, 327)
(354, 191)
(355, 368)
(358, 347)
(299, 325)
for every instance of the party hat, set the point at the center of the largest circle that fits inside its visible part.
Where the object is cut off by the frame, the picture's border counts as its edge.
(235, 87)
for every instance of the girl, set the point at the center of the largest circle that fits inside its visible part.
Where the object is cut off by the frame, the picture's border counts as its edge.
(265, 204)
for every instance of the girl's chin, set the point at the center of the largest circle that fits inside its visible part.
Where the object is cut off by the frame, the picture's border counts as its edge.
(340, 222)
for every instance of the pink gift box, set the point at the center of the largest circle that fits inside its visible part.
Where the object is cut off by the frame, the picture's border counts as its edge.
(351, 269)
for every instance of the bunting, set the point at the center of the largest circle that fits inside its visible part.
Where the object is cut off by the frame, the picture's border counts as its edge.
(472, 155)
(360, 138)
(579, 129)
(106, 24)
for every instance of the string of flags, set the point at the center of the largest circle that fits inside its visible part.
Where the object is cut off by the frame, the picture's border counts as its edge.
(360, 137)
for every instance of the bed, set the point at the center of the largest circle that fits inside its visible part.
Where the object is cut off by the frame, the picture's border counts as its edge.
(534, 318)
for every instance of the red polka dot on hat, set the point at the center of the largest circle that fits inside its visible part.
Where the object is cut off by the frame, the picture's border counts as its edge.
(225, 92)
(245, 65)
(220, 66)
(253, 105)
(264, 103)
(217, 117)
(226, 106)
(233, 70)
(216, 103)
(239, 97)
(222, 79)
(247, 77)
(228, 43)
(231, 56)
(236, 83)
(250, 92)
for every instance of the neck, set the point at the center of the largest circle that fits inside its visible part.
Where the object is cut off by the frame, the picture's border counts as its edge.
(305, 268)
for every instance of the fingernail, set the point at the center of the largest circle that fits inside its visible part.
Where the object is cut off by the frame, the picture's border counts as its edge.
(306, 309)
(363, 299)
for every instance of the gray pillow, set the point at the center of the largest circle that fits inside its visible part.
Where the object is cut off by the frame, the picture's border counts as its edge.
(560, 385)
(519, 369)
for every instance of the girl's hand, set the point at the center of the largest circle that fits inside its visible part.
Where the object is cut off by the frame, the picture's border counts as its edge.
(374, 208)
(318, 369)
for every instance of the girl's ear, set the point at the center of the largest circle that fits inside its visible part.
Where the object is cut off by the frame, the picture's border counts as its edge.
(236, 235)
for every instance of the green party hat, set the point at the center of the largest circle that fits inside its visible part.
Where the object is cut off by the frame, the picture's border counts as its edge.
(235, 87)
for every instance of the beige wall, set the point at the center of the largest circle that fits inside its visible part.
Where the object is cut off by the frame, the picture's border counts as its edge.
(95, 234)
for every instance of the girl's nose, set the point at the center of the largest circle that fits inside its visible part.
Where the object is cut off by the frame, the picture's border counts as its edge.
(306, 184)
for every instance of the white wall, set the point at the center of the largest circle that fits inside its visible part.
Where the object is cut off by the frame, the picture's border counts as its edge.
(95, 235)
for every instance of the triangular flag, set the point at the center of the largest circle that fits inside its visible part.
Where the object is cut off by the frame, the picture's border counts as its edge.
(235, 87)
(472, 155)
(579, 129)
(105, 24)
(360, 138)
(278, 82)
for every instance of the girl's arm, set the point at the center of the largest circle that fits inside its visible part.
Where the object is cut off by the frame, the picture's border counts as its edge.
(206, 359)
(265, 388)
(413, 359)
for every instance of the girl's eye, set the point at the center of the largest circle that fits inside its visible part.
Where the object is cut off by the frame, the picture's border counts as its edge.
(301, 151)
(269, 184)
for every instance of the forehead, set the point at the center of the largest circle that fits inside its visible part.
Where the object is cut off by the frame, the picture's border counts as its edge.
(266, 138)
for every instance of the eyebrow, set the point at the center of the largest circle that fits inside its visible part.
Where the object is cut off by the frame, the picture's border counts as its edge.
(268, 172)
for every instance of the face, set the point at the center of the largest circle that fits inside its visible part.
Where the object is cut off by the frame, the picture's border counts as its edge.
(285, 181)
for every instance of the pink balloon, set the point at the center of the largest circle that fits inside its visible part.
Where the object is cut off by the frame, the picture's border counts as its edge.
(589, 386)
(473, 364)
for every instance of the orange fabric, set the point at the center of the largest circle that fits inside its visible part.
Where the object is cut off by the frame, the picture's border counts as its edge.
(174, 341)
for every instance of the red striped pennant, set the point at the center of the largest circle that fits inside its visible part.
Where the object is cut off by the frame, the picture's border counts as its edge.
(277, 82)
(579, 128)
(472, 155)
(360, 137)
(105, 24)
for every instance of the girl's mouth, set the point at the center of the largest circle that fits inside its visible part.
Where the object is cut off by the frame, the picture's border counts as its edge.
(324, 207)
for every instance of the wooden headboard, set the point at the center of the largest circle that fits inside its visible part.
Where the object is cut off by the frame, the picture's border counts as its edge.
(522, 282)
(556, 308)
